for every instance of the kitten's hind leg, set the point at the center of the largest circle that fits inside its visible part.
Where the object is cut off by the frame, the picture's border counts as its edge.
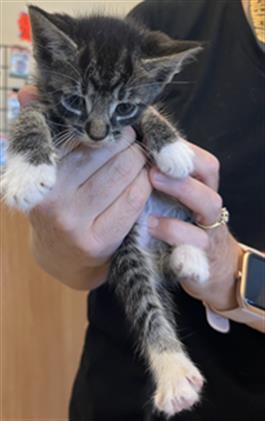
(134, 277)
(171, 153)
(30, 172)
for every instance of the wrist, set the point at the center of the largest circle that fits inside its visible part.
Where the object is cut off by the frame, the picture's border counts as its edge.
(248, 308)
(223, 293)
(224, 258)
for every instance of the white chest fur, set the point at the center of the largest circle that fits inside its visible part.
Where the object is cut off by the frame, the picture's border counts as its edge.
(158, 205)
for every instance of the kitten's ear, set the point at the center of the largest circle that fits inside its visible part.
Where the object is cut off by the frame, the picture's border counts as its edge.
(165, 57)
(49, 41)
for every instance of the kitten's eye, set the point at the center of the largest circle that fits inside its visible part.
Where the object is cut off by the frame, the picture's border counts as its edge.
(125, 109)
(73, 103)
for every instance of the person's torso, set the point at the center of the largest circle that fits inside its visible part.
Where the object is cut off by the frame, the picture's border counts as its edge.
(218, 103)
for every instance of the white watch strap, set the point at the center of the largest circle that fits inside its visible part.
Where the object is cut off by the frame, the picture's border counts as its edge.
(241, 315)
(219, 323)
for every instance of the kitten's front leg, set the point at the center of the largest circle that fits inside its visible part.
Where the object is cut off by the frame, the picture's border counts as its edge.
(30, 172)
(171, 153)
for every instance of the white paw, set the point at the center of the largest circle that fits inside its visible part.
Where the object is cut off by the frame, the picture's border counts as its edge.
(175, 159)
(179, 382)
(24, 185)
(190, 262)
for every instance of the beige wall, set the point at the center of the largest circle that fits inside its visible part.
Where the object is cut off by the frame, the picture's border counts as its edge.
(11, 9)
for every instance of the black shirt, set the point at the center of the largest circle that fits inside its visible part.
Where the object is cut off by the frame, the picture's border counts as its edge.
(220, 105)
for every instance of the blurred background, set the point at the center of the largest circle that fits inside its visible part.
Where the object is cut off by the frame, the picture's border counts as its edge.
(42, 321)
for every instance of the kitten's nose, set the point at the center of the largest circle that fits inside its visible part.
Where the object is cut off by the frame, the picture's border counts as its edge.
(97, 130)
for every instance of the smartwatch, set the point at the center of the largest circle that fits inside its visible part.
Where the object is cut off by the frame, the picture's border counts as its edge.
(250, 295)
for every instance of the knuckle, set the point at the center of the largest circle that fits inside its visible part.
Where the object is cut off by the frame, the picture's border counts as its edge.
(94, 248)
(217, 203)
(62, 219)
(213, 165)
(64, 222)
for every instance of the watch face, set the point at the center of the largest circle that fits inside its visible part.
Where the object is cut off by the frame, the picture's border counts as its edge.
(255, 281)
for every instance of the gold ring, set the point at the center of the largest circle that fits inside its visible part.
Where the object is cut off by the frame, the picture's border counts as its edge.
(223, 219)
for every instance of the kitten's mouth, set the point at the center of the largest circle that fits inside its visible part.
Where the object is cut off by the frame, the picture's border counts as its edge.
(82, 138)
(117, 134)
(96, 144)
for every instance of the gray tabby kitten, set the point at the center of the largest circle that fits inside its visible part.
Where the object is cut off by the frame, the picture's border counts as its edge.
(96, 75)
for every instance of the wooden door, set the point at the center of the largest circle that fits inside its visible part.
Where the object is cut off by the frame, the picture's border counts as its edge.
(42, 330)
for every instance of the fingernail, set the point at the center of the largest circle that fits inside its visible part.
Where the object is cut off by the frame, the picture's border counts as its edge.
(152, 222)
(129, 134)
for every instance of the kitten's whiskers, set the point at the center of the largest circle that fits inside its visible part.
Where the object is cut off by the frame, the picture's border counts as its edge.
(62, 137)
(57, 124)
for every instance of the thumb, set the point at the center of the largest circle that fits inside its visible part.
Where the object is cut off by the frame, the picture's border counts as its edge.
(27, 95)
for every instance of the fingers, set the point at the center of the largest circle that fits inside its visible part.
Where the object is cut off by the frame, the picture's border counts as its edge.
(79, 165)
(102, 188)
(202, 200)
(27, 94)
(206, 167)
(116, 221)
(175, 232)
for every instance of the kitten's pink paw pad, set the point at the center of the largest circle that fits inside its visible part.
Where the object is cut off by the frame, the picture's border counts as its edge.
(197, 382)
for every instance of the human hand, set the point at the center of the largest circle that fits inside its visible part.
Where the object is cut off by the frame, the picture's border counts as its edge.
(199, 193)
(98, 196)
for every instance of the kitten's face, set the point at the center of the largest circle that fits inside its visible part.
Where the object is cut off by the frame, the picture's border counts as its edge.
(97, 75)
(98, 105)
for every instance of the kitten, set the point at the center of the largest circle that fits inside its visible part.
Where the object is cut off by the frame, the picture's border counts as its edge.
(96, 75)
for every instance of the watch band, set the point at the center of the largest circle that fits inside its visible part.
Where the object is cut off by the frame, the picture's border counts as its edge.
(216, 318)
(220, 320)
(238, 314)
